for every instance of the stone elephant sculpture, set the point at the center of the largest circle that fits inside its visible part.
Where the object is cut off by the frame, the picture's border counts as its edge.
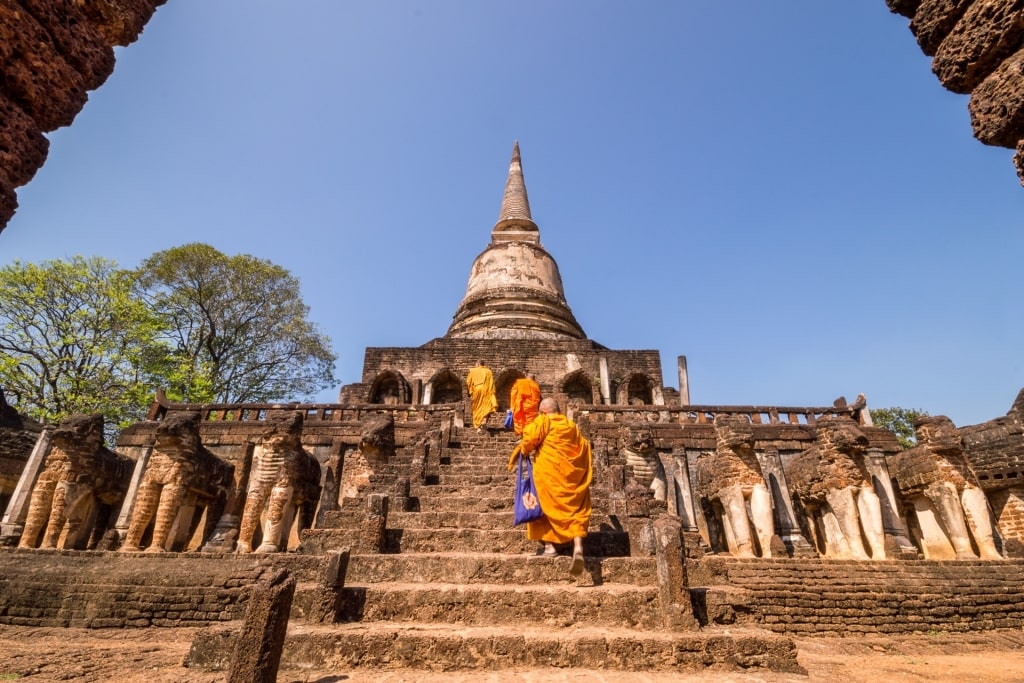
(831, 483)
(730, 479)
(949, 507)
(178, 473)
(77, 477)
(642, 461)
(284, 479)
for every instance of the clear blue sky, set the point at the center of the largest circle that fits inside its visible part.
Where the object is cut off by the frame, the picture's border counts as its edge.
(782, 192)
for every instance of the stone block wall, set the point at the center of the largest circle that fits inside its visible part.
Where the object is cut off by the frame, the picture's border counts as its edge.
(53, 52)
(849, 597)
(119, 590)
(977, 48)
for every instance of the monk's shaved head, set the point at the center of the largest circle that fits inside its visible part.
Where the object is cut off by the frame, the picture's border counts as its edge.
(548, 405)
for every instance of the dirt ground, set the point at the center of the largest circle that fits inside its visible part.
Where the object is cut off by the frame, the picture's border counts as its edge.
(156, 655)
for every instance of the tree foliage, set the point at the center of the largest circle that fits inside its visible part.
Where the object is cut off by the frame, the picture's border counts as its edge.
(74, 339)
(899, 421)
(237, 328)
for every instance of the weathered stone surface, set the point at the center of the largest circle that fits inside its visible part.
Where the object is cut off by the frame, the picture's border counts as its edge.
(904, 7)
(997, 104)
(934, 19)
(23, 147)
(52, 53)
(257, 653)
(989, 32)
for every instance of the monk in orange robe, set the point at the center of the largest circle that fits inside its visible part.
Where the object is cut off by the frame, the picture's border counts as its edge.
(562, 470)
(480, 382)
(524, 400)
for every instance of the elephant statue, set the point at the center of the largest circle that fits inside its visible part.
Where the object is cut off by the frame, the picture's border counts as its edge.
(284, 479)
(78, 476)
(832, 484)
(949, 507)
(179, 474)
(637, 445)
(730, 479)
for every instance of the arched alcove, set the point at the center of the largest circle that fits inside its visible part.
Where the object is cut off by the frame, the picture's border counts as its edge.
(635, 391)
(390, 388)
(444, 387)
(577, 387)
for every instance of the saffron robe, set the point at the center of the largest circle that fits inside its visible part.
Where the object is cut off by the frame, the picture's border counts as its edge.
(562, 470)
(524, 401)
(480, 383)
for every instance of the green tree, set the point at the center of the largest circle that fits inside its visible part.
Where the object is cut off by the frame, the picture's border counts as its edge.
(237, 327)
(74, 339)
(899, 421)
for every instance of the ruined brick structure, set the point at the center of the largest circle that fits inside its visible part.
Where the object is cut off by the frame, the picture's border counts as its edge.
(977, 49)
(53, 52)
(405, 542)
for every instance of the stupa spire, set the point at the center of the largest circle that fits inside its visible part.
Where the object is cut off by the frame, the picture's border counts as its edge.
(515, 222)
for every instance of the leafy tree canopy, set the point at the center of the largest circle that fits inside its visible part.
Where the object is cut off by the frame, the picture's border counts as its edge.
(74, 339)
(237, 327)
(899, 421)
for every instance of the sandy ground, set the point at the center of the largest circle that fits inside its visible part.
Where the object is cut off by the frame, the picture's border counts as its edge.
(156, 655)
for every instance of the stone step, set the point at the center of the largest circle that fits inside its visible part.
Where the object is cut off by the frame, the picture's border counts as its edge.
(599, 543)
(553, 606)
(455, 647)
(497, 519)
(473, 568)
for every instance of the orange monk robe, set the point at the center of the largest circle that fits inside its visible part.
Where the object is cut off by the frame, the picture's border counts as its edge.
(524, 401)
(562, 471)
(480, 382)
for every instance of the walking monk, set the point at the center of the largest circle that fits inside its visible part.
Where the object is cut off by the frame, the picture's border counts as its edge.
(524, 401)
(562, 470)
(480, 382)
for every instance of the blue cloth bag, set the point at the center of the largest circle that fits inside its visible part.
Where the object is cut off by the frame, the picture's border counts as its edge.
(527, 504)
(508, 419)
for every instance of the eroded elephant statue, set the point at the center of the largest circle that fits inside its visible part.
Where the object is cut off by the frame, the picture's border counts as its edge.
(79, 476)
(950, 510)
(832, 484)
(730, 480)
(180, 475)
(284, 480)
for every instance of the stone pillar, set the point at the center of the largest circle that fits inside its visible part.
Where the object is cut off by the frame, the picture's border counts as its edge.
(330, 483)
(372, 531)
(606, 392)
(417, 391)
(897, 537)
(684, 381)
(684, 494)
(329, 590)
(673, 584)
(258, 649)
(124, 519)
(782, 505)
(13, 522)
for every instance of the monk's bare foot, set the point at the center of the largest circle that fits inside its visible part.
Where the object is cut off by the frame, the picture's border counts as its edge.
(577, 564)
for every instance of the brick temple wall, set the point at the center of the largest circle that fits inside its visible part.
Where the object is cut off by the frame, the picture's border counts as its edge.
(833, 597)
(125, 590)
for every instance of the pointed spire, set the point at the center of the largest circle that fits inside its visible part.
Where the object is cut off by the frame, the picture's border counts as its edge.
(515, 205)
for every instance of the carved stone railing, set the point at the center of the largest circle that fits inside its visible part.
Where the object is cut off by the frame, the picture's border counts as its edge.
(705, 414)
(312, 412)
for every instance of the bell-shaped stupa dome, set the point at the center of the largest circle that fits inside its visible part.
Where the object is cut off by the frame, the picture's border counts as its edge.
(515, 290)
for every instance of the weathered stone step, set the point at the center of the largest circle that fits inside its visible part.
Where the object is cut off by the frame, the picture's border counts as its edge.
(556, 607)
(473, 568)
(442, 647)
(597, 543)
(497, 519)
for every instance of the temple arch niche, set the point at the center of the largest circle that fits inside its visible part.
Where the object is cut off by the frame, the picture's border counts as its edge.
(503, 387)
(390, 388)
(636, 390)
(578, 388)
(443, 387)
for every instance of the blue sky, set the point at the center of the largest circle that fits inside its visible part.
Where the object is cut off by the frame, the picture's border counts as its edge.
(781, 192)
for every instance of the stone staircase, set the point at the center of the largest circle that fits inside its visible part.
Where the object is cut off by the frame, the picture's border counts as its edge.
(455, 586)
